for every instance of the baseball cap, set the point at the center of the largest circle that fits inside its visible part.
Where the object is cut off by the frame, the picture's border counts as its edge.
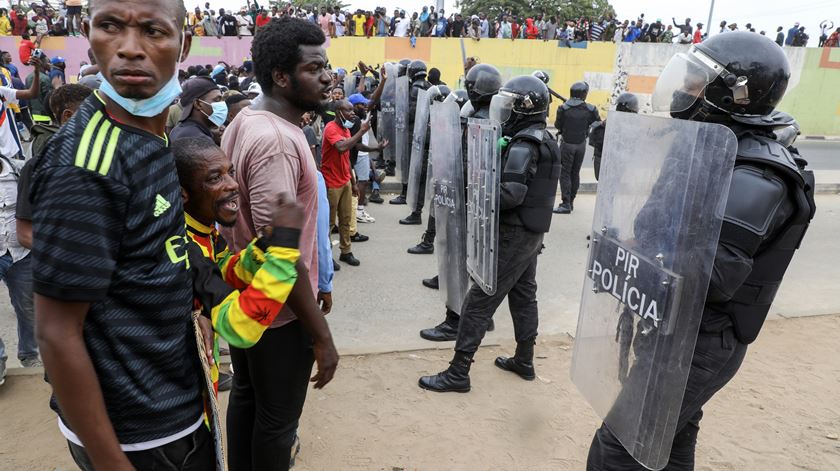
(217, 70)
(248, 66)
(192, 90)
(91, 81)
(358, 98)
(57, 60)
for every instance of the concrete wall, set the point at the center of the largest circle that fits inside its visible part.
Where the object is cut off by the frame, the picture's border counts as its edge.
(813, 94)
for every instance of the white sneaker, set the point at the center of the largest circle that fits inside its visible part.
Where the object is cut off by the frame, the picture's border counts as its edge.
(2, 372)
(364, 218)
(367, 217)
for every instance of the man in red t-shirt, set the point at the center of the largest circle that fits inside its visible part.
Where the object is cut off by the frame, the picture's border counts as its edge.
(262, 19)
(26, 48)
(19, 22)
(335, 165)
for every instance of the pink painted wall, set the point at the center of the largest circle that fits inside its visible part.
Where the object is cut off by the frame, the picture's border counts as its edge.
(74, 50)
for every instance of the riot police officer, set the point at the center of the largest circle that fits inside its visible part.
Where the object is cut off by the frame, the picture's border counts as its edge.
(626, 102)
(736, 79)
(483, 82)
(417, 76)
(572, 122)
(531, 170)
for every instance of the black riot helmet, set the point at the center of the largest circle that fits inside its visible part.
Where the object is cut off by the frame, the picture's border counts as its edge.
(542, 75)
(521, 99)
(740, 74)
(579, 90)
(444, 92)
(417, 70)
(482, 82)
(461, 97)
(402, 67)
(627, 102)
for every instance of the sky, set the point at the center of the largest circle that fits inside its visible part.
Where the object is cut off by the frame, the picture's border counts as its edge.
(763, 14)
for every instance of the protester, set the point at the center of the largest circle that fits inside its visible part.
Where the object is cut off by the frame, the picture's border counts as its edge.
(15, 263)
(204, 111)
(335, 165)
(239, 297)
(270, 155)
(79, 309)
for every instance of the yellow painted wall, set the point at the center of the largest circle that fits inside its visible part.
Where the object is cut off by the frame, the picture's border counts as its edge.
(564, 65)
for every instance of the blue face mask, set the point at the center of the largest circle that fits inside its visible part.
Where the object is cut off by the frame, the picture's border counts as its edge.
(346, 123)
(152, 106)
(220, 112)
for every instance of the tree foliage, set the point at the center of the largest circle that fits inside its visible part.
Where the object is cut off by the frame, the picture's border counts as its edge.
(313, 4)
(563, 9)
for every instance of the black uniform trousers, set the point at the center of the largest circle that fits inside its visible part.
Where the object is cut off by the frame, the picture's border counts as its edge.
(717, 357)
(571, 159)
(518, 251)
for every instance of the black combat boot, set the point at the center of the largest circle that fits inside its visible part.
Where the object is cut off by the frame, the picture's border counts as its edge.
(425, 247)
(413, 219)
(456, 378)
(431, 283)
(564, 208)
(522, 362)
(446, 331)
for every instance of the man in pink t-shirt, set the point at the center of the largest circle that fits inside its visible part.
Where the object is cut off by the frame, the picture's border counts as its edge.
(271, 156)
(335, 165)
(325, 22)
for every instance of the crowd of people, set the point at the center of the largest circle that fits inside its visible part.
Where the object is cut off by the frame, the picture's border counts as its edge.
(64, 18)
(264, 162)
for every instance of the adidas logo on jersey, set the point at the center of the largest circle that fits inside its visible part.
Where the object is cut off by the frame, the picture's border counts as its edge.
(161, 205)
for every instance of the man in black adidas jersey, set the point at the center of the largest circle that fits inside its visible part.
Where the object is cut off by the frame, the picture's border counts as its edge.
(113, 290)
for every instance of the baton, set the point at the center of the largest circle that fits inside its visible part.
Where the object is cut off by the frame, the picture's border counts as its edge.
(556, 95)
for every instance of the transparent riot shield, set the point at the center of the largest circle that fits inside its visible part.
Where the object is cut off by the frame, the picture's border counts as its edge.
(483, 175)
(385, 121)
(658, 215)
(417, 174)
(349, 85)
(402, 137)
(447, 190)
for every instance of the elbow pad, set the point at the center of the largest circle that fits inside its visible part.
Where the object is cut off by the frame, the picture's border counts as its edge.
(518, 164)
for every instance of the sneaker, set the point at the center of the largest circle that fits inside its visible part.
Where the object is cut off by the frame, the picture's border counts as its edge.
(368, 217)
(398, 200)
(349, 259)
(33, 362)
(336, 266)
(363, 217)
(2, 372)
(359, 238)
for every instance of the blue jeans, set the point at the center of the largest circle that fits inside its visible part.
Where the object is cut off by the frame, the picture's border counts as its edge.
(18, 278)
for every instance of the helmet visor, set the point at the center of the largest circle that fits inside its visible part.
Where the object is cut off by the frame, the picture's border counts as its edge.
(683, 81)
(501, 107)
